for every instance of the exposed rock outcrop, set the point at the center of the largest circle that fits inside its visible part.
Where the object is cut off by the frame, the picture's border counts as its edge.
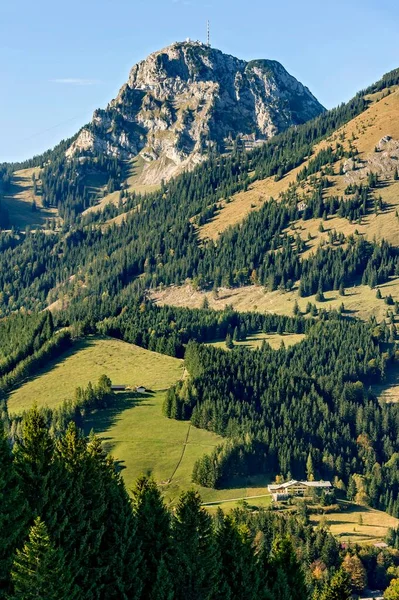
(187, 97)
(383, 162)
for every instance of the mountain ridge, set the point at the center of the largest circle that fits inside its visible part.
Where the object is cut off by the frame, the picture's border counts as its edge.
(187, 98)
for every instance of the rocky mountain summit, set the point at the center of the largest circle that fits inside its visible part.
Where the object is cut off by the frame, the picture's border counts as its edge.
(184, 99)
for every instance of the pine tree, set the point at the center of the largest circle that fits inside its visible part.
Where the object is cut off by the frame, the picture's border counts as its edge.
(153, 535)
(229, 342)
(38, 471)
(205, 303)
(195, 551)
(162, 588)
(284, 561)
(339, 588)
(39, 569)
(84, 507)
(238, 574)
(280, 587)
(119, 555)
(351, 489)
(13, 512)
(310, 467)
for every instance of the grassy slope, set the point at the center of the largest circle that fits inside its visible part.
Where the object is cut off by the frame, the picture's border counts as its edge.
(380, 119)
(359, 301)
(255, 340)
(141, 439)
(388, 391)
(134, 169)
(87, 361)
(144, 441)
(345, 524)
(19, 200)
(364, 132)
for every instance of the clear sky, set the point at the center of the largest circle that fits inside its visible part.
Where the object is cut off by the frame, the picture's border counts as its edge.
(61, 60)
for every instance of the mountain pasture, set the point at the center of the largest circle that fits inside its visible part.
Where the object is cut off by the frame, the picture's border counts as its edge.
(19, 199)
(87, 361)
(359, 301)
(144, 441)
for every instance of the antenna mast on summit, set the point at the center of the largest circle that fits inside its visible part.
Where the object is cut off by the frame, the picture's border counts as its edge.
(208, 35)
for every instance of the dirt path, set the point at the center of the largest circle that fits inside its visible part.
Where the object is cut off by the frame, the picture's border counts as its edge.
(235, 499)
(181, 456)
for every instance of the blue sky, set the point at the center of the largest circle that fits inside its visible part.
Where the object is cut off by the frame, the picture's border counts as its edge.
(61, 60)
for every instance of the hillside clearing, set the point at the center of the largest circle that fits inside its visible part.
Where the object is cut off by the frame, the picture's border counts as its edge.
(255, 340)
(388, 391)
(87, 361)
(142, 441)
(359, 301)
(132, 183)
(364, 132)
(20, 198)
(135, 431)
(357, 524)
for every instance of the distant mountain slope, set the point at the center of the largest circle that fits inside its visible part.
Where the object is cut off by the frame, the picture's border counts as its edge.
(143, 241)
(374, 136)
(188, 97)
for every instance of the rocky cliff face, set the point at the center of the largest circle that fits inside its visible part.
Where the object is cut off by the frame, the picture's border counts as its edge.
(185, 98)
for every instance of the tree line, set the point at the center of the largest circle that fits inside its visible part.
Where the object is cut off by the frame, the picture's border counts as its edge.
(69, 530)
(297, 412)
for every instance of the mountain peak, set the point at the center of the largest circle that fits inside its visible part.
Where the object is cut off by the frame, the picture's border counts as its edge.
(188, 97)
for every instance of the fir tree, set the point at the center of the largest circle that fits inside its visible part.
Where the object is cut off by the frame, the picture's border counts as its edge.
(119, 554)
(153, 536)
(229, 342)
(339, 588)
(238, 575)
(162, 588)
(195, 551)
(39, 472)
(39, 569)
(288, 569)
(85, 509)
(13, 512)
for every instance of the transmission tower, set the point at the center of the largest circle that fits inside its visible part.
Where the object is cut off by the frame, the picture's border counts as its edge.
(208, 34)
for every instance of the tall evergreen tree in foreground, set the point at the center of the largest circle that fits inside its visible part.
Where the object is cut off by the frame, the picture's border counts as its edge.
(339, 588)
(153, 536)
(13, 513)
(287, 578)
(38, 470)
(195, 551)
(39, 570)
(238, 574)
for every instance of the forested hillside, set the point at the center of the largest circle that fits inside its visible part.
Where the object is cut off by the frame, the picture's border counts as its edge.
(158, 239)
(305, 411)
(68, 526)
(52, 546)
